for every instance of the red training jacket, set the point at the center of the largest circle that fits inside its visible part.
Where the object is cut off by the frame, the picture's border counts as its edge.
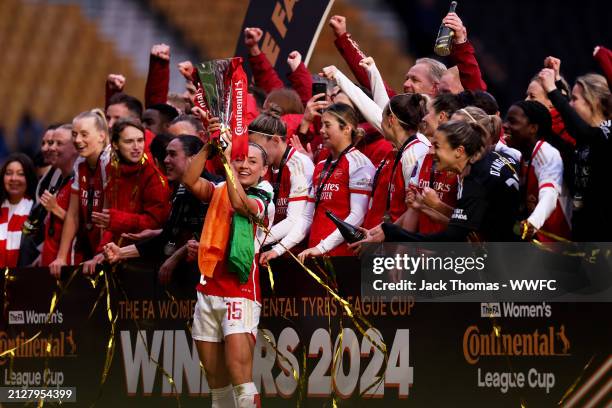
(349, 49)
(266, 77)
(464, 57)
(138, 198)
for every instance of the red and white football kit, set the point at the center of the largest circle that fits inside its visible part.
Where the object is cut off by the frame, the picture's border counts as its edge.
(392, 178)
(545, 198)
(225, 306)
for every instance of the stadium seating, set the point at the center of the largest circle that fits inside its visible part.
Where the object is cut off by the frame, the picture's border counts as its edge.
(55, 62)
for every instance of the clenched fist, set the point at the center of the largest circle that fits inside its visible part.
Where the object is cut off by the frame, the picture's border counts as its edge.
(338, 24)
(186, 69)
(294, 60)
(161, 51)
(252, 36)
(116, 82)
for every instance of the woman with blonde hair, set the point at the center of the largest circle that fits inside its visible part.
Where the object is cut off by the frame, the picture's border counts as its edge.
(90, 137)
(587, 117)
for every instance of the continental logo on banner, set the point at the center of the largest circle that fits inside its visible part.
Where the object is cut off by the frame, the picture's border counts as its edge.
(546, 343)
(62, 345)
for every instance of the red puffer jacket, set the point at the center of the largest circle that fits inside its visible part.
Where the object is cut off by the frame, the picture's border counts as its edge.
(138, 198)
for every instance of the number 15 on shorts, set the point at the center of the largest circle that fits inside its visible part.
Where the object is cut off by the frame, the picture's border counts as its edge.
(234, 310)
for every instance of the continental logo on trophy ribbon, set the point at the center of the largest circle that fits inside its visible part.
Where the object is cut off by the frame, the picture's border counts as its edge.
(199, 98)
(239, 93)
(60, 344)
(546, 343)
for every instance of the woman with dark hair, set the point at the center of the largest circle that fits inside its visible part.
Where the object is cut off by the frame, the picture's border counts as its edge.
(158, 149)
(342, 184)
(401, 119)
(544, 200)
(488, 192)
(587, 118)
(185, 221)
(435, 205)
(439, 110)
(17, 187)
(429, 182)
(493, 126)
(228, 305)
(137, 196)
(371, 143)
(291, 178)
(398, 119)
(560, 138)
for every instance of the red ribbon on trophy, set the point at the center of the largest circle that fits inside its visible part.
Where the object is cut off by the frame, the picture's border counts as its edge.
(221, 91)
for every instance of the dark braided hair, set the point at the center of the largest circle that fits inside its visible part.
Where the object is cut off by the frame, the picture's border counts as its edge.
(537, 114)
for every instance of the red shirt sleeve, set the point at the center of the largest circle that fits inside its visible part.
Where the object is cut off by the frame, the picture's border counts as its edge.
(301, 82)
(158, 81)
(464, 56)
(604, 59)
(351, 53)
(264, 74)
(155, 207)
(108, 94)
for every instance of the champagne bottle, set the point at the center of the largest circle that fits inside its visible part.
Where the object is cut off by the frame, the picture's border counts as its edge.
(444, 41)
(350, 233)
(36, 217)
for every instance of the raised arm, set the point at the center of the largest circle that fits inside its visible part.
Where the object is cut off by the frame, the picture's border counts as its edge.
(463, 55)
(300, 78)
(603, 56)
(241, 203)
(198, 186)
(576, 126)
(158, 79)
(351, 53)
(379, 92)
(114, 84)
(264, 74)
(368, 108)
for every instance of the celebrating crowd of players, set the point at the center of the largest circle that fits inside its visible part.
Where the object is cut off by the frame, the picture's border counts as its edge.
(434, 163)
